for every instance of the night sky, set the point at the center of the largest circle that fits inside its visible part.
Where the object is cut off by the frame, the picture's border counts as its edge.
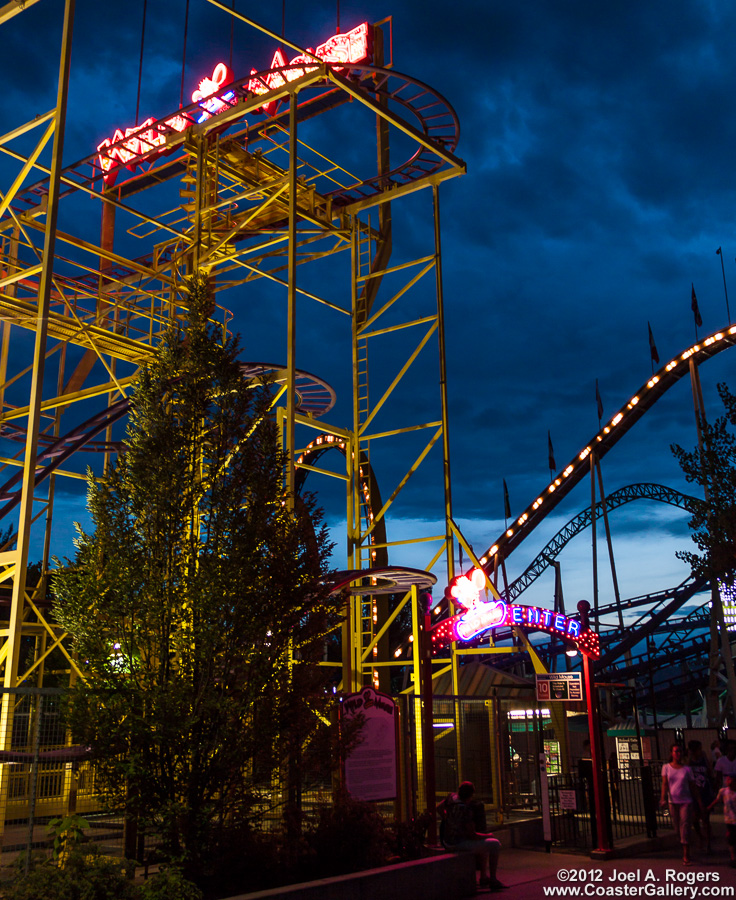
(600, 183)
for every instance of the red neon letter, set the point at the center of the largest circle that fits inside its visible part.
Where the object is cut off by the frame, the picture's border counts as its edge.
(209, 86)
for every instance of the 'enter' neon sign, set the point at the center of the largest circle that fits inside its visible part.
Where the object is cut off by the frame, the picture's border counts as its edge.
(478, 615)
(125, 148)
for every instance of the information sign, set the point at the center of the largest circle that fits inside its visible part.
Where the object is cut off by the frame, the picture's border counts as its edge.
(370, 767)
(566, 686)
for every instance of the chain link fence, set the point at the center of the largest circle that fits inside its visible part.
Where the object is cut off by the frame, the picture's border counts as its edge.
(43, 777)
(488, 741)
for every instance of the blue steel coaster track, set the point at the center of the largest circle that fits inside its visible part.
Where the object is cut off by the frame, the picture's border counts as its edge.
(583, 519)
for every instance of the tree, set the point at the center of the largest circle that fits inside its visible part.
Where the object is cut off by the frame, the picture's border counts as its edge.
(713, 466)
(198, 603)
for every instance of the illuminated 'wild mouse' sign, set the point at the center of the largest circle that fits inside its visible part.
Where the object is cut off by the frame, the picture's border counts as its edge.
(480, 615)
(125, 148)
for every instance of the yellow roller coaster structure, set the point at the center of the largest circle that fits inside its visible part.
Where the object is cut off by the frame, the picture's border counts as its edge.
(253, 184)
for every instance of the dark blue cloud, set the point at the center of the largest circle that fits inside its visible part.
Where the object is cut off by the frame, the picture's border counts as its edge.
(598, 143)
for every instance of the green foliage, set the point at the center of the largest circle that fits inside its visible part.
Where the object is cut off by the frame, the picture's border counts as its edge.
(713, 466)
(169, 884)
(91, 877)
(197, 603)
(82, 878)
(67, 834)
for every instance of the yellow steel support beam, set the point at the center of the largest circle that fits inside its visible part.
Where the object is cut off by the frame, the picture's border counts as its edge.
(376, 435)
(67, 399)
(383, 113)
(380, 273)
(404, 369)
(13, 8)
(28, 164)
(20, 275)
(74, 331)
(407, 287)
(291, 305)
(387, 624)
(397, 490)
(398, 193)
(25, 128)
(25, 519)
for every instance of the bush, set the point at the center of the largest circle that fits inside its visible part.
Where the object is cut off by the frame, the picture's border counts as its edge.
(350, 835)
(169, 884)
(408, 838)
(90, 877)
(82, 878)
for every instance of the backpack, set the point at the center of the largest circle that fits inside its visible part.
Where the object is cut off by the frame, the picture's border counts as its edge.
(457, 824)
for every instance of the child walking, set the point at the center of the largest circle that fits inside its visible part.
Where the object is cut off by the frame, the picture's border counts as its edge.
(727, 796)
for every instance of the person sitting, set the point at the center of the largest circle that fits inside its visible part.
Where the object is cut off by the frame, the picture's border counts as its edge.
(459, 834)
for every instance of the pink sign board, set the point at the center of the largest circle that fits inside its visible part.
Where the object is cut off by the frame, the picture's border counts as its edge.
(370, 767)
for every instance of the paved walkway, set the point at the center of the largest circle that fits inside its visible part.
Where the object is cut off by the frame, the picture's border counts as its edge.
(656, 874)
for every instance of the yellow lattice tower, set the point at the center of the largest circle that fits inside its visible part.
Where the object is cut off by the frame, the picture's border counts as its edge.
(220, 188)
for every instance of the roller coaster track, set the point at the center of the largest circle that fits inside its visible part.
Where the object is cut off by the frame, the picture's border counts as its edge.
(673, 598)
(654, 598)
(603, 441)
(583, 520)
(686, 644)
(369, 489)
(314, 396)
(648, 624)
(412, 106)
(672, 673)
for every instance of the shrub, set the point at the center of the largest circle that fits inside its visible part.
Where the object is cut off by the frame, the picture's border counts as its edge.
(169, 884)
(408, 838)
(81, 878)
(350, 835)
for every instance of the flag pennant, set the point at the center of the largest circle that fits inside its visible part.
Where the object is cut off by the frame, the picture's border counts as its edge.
(598, 400)
(506, 504)
(694, 307)
(652, 346)
(551, 453)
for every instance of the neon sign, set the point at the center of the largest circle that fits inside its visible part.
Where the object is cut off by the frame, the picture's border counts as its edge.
(353, 47)
(141, 139)
(145, 137)
(126, 147)
(479, 615)
(208, 87)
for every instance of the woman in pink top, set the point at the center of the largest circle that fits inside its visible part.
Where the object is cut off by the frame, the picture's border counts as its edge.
(679, 782)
